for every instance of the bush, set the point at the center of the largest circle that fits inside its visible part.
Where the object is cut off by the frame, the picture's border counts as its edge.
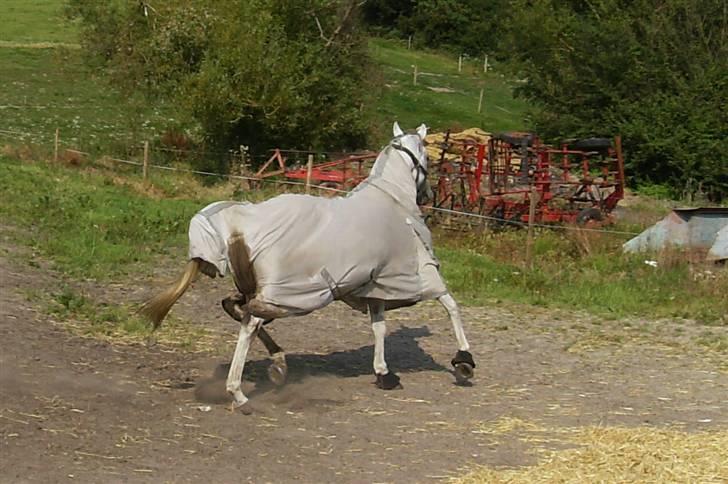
(653, 71)
(253, 72)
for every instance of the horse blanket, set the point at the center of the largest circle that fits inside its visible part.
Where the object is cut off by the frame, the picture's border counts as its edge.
(309, 251)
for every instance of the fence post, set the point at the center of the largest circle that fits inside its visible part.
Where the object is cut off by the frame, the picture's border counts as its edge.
(414, 79)
(460, 63)
(145, 167)
(480, 101)
(309, 168)
(485, 63)
(531, 215)
(409, 43)
(55, 146)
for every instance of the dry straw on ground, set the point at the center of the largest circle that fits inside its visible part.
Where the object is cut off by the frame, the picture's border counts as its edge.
(616, 455)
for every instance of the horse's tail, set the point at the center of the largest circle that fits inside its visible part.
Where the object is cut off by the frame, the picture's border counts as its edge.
(156, 308)
(242, 268)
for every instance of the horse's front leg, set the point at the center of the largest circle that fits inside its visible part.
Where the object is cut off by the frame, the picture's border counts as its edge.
(463, 361)
(248, 328)
(386, 380)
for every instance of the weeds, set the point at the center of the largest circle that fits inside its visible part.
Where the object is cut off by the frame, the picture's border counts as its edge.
(119, 323)
(583, 270)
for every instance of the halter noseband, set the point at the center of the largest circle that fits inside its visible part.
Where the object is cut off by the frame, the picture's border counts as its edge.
(412, 156)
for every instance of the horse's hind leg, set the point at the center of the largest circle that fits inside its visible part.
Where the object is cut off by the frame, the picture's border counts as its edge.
(234, 305)
(386, 380)
(278, 370)
(248, 327)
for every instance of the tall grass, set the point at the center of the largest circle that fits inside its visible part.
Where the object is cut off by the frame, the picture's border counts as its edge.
(87, 224)
(94, 223)
(587, 271)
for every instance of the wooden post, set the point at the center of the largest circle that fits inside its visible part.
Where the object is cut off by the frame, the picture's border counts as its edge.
(531, 215)
(55, 146)
(145, 167)
(480, 101)
(409, 42)
(414, 79)
(309, 168)
(485, 63)
(460, 63)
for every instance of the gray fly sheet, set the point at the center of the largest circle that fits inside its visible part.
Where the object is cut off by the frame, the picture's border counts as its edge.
(309, 251)
(294, 254)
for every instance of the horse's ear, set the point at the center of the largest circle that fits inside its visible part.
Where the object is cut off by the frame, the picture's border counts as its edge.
(396, 130)
(422, 131)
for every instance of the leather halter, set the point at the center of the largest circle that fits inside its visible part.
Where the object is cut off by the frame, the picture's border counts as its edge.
(412, 156)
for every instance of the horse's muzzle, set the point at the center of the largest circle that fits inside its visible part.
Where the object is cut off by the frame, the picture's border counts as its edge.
(424, 194)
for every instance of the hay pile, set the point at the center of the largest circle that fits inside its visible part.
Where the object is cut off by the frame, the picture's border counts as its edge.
(614, 454)
(434, 142)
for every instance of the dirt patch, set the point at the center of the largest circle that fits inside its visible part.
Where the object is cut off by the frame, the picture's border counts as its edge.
(85, 410)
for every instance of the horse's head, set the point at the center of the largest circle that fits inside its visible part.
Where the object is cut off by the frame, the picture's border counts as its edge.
(412, 146)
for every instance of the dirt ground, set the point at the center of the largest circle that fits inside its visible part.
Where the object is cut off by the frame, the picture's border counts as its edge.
(75, 409)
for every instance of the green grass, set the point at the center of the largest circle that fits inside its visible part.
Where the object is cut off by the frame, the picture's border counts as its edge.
(35, 21)
(488, 269)
(49, 88)
(92, 226)
(89, 226)
(412, 105)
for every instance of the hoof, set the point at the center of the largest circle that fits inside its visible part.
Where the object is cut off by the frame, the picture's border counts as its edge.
(235, 308)
(390, 381)
(277, 374)
(464, 366)
(246, 408)
(463, 373)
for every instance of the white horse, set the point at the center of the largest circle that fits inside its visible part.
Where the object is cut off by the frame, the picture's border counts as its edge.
(294, 254)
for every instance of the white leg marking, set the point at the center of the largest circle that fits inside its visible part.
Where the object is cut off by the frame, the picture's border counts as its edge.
(376, 310)
(452, 309)
(233, 385)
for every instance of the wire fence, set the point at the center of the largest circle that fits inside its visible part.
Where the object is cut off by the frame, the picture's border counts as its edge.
(279, 182)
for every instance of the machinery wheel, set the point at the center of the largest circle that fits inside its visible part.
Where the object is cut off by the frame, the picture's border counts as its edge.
(592, 144)
(516, 138)
(588, 215)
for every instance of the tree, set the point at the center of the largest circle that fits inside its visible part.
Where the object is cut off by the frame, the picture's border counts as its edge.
(652, 70)
(255, 72)
(470, 26)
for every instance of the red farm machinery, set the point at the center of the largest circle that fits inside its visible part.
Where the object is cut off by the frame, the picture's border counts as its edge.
(580, 182)
(341, 174)
(495, 177)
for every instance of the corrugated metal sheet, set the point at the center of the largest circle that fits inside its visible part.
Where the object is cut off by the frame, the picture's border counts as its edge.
(689, 228)
(719, 250)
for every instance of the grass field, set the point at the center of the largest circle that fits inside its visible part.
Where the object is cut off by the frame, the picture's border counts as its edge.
(30, 21)
(98, 223)
(47, 86)
(50, 87)
(443, 98)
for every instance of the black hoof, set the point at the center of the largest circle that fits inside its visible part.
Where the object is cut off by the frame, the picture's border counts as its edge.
(390, 381)
(277, 374)
(464, 365)
(245, 409)
(463, 373)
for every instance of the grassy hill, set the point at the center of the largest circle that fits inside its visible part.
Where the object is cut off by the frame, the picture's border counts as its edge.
(443, 97)
(48, 87)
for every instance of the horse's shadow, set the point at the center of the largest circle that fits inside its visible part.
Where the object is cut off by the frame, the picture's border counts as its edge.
(402, 352)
